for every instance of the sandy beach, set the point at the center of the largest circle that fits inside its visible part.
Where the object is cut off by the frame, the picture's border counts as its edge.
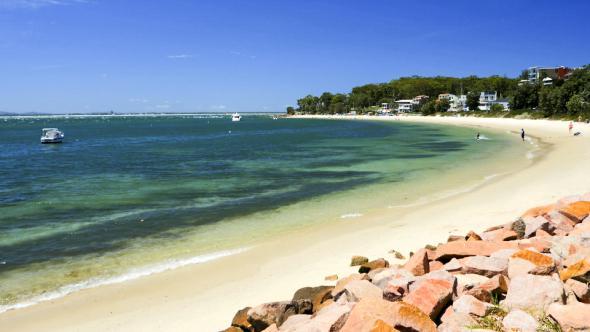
(204, 297)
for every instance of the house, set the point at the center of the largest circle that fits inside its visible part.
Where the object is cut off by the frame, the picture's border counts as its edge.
(489, 98)
(406, 105)
(537, 74)
(457, 103)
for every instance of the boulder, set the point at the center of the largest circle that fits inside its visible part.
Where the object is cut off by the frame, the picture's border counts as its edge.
(383, 278)
(533, 292)
(241, 320)
(518, 320)
(533, 224)
(517, 266)
(272, 328)
(233, 329)
(468, 304)
(580, 289)
(472, 236)
(356, 290)
(457, 322)
(295, 323)
(543, 264)
(538, 211)
(581, 228)
(561, 224)
(264, 315)
(469, 281)
(452, 238)
(396, 288)
(453, 265)
(571, 317)
(431, 296)
(460, 249)
(381, 326)
(317, 295)
(486, 266)
(376, 264)
(576, 211)
(502, 234)
(331, 277)
(358, 260)
(418, 263)
(329, 318)
(399, 315)
(579, 270)
(344, 281)
(504, 253)
(435, 265)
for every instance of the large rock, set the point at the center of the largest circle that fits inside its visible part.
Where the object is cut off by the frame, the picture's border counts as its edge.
(575, 316)
(579, 270)
(399, 315)
(539, 211)
(397, 288)
(580, 289)
(518, 320)
(534, 224)
(486, 266)
(329, 318)
(344, 281)
(460, 249)
(543, 264)
(294, 323)
(418, 263)
(581, 228)
(357, 290)
(264, 315)
(502, 234)
(576, 211)
(381, 326)
(533, 292)
(358, 260)
(468, 304)
(517, 267)
(317, 295)
(431, 296)
(241, 320)
(457, 322)
(372, 265)
(382, 278)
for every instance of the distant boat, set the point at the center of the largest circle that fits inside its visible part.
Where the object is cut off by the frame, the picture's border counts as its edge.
(274, 117)
(236, 117)
(51, 135)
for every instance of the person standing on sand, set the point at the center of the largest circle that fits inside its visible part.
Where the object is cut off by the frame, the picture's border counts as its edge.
(522, 134)
(571, 126)
(477, 137)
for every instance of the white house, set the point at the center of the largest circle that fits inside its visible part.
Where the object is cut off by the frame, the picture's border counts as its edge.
(489, 98)
(457, 103)
(405, 105)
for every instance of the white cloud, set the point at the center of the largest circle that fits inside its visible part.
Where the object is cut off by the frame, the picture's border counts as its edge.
(218, 107)
(33, 4)
(180, 56)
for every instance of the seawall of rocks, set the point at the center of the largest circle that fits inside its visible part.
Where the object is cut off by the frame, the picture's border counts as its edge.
(531, 274)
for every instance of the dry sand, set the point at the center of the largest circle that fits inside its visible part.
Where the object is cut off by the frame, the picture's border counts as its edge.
(205, 297)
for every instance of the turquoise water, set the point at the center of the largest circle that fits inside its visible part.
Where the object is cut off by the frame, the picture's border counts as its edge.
(127, 196)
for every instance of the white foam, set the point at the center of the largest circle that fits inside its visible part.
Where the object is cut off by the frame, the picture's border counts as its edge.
(130, 275)
(351, 215)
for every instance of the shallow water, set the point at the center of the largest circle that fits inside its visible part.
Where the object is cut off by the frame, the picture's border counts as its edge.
(128, 196)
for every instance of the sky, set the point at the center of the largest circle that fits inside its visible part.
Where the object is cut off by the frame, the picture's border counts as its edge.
(84, 56)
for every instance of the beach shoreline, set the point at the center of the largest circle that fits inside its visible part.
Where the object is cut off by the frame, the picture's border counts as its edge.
(204, 297)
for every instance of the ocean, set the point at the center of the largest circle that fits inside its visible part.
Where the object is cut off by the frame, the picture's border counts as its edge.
(127, 196)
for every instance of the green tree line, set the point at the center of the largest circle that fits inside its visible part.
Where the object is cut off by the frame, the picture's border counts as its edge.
(565, 97)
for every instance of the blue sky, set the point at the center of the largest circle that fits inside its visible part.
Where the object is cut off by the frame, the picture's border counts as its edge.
(182, 55)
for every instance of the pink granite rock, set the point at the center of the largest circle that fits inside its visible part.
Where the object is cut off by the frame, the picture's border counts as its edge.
(486, 266)
(468, 304)
(518, 320)
(533, 292)
(356, 290)
(460, 249)
(431, 296)
(575, 316)
(418, 263)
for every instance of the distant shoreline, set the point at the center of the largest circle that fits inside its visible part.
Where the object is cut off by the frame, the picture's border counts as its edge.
(93, 115)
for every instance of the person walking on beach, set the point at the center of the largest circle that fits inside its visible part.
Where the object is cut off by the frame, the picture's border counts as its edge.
(522, 134)
(477, 137)
(570, 127)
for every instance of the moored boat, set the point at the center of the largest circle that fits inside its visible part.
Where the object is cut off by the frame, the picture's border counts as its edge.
(51, 135)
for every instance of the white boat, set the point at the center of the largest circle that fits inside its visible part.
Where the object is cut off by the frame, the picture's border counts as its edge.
(51, 135)
(236, 117)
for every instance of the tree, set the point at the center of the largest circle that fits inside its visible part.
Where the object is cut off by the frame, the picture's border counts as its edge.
(428, 108)
(577, 105)
(473, 101)
(442, 105)
(497, 108)
(290, 110)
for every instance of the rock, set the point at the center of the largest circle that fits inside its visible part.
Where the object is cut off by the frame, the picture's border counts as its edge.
(539, 211)
(486, 266)
(471, 248)
(399, 315)
(435, 266)
(561, 223)
(317, 295)
(518, 320)
(501, 234)
(468, 304)
(376, 264)
(332, 277)
(418, 263)
(233, 329)
(519, 227)
(264, 315)
(382, 278)
(453, 265)
(541, 233)
(576, 211)
(330, 318)
(578, 270)
(431, 296)
(504, 253)
(533, 224)
(455, 238)
(241, 320)
(272, 328)
(533, 292)
(457, 322)
(397, 287)
(469, 281)
(295, 322)
(517, 266)
(381, 326)
(344, 281)
(472, 236)
(570, 317)
(543, 264)
(356, 290)
(580, 289)
(358, 260)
